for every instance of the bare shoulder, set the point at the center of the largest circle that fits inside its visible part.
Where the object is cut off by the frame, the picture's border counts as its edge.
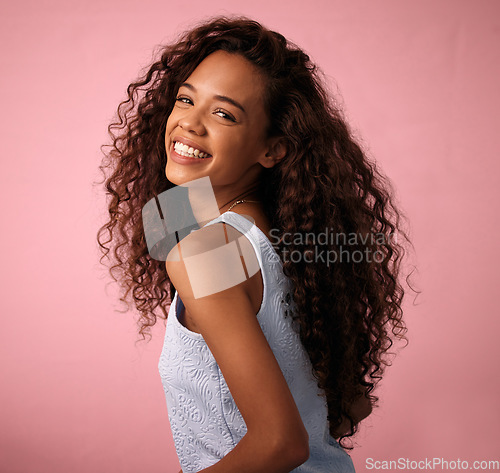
(212, 259)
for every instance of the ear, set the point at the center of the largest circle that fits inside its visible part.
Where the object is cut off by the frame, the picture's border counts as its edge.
(276, 151)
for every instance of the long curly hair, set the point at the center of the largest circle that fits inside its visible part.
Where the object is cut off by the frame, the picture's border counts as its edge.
(348, 310)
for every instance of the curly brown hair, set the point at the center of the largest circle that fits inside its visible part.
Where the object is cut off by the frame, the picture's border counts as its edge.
(347, 313)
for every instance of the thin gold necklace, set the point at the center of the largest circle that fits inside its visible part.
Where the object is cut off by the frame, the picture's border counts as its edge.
(239, 202)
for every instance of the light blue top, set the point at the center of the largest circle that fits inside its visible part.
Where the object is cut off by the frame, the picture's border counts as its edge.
(205, 420)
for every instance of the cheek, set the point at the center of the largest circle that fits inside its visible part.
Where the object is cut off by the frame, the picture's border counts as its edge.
(168, 128)
(169, 121)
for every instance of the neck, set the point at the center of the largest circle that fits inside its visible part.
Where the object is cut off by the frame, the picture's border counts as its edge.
(224, 200)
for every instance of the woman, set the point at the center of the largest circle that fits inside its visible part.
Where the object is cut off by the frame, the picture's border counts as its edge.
(264, 372)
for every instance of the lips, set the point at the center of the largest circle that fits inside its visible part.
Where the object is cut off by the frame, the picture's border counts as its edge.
(190, 143)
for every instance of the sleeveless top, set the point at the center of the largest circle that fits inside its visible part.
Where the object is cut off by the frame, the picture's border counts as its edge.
(205, 420)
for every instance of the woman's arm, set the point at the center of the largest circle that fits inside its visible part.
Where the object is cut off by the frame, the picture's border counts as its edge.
(276, 440)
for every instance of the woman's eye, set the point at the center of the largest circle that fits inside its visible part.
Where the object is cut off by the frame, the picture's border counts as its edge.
(220, 112)
(183, 99)
(225, 115)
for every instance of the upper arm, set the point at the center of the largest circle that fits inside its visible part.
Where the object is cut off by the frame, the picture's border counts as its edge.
(232, 332)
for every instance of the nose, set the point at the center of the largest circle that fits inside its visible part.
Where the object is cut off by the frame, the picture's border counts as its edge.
(192, 121)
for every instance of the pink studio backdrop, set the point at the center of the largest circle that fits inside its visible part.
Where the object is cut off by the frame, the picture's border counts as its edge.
(419, 83)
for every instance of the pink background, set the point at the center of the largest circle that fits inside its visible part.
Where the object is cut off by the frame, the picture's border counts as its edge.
(420, 84)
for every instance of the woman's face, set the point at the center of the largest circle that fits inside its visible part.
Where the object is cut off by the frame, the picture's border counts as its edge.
(219, 110)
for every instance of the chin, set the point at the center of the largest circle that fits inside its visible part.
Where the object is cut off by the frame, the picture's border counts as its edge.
(171, 176)
(176, 177)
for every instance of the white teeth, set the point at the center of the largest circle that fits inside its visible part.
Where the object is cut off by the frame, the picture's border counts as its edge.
(189, 151)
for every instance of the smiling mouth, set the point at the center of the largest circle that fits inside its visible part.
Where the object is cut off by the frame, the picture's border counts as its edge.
(189, 151)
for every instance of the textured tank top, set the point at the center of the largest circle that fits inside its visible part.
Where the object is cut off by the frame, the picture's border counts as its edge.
(205, 420)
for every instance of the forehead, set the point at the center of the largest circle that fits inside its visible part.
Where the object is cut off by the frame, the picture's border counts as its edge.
(223, 73)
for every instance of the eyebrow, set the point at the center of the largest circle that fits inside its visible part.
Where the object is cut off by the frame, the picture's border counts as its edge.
(223, 98)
